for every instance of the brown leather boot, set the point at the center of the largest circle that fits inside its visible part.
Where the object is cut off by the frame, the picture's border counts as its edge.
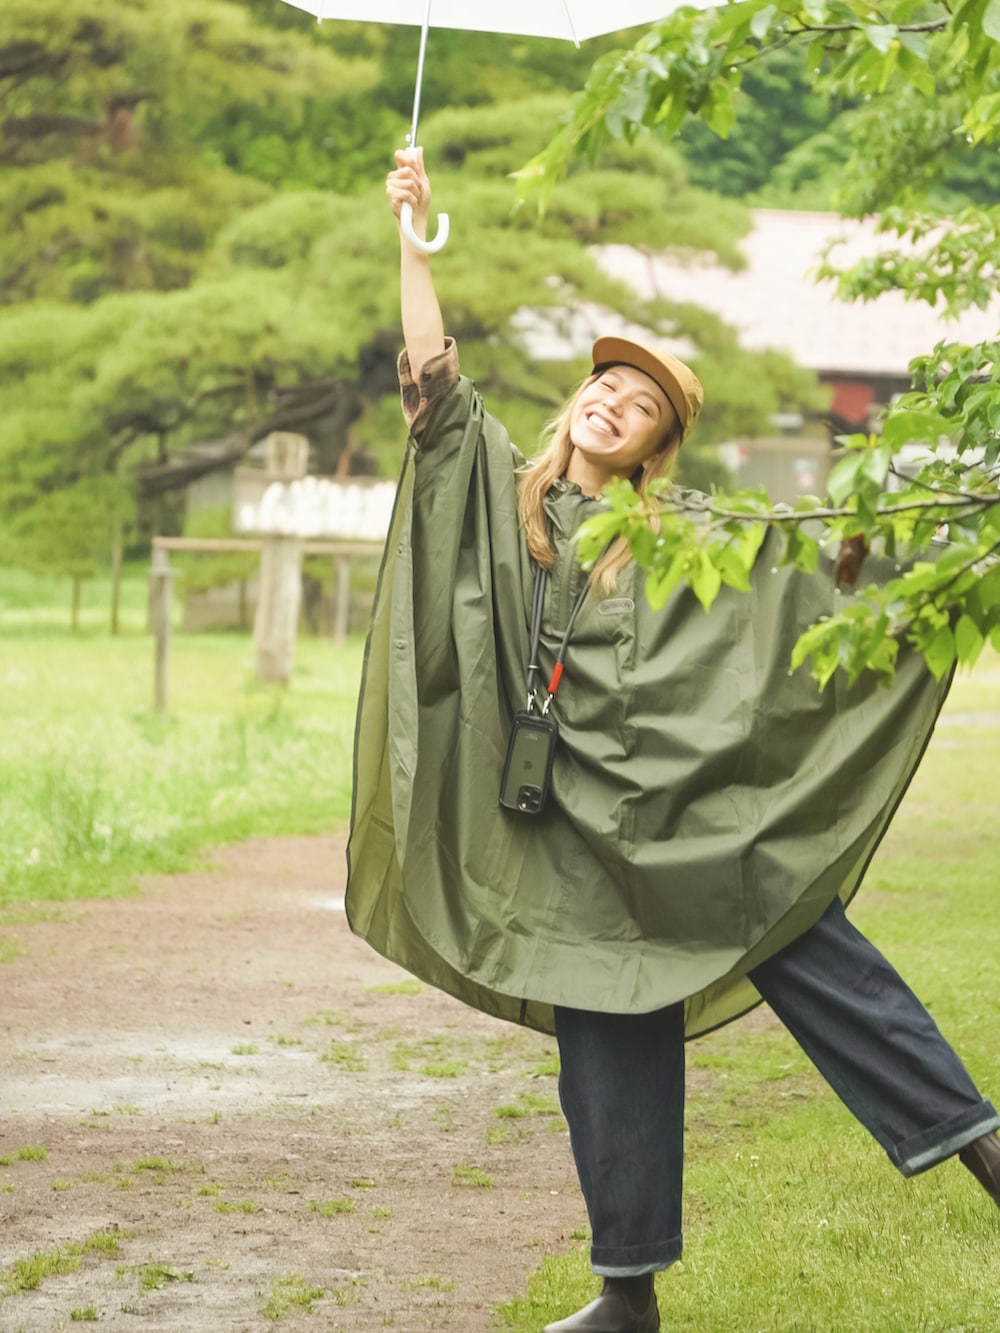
(615, 1310)
(982, 1157)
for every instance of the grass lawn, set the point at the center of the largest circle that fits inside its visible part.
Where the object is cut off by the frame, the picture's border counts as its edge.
(96, 788)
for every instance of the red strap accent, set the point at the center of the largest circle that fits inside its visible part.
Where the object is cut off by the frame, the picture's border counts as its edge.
(556, 678)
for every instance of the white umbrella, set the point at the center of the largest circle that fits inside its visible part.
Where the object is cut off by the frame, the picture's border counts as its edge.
(574, 20)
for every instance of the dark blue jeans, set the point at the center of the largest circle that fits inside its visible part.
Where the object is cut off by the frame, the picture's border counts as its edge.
(622, 1086)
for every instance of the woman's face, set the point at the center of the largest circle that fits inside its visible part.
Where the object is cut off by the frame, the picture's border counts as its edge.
(620, 419)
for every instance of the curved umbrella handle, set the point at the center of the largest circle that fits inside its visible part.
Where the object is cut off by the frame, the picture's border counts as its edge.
(425, 247)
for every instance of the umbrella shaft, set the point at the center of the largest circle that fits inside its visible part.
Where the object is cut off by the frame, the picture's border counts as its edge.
(420, 75)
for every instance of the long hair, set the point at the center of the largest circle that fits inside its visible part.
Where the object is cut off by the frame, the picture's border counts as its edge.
(540, 472)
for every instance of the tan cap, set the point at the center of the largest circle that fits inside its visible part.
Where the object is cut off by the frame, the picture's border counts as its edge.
(678, 381)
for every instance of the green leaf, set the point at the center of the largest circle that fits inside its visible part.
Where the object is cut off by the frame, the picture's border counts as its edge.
(867, 501)
(980, 121)
(875, 463)
(842, 480)
(881, 35)
(720, 112)
(732, 568)
(916, 43)
(940, 652)
(705, 579)
(991, 20)
(800, 550)
(968, 640)
(906, 427)
(594, 535)
(761, 21)
(750, 541)
(642, 541)
(660, 583)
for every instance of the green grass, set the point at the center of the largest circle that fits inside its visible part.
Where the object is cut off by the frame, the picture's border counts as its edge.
(428, 1281)
(29, 1274)
(345, 1055)
(795, 1222)
(529, 1104)
(291, 1292)
(28, 1154)
(474, 1176)
(97, 789)
(410, 986)
(334, 1208)
(154, 1276)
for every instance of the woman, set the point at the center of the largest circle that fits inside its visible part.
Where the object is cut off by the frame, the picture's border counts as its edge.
(708, 818)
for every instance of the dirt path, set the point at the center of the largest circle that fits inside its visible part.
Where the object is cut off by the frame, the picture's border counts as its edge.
(243, 1111)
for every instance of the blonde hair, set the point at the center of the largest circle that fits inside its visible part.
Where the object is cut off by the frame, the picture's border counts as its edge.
(539, 473)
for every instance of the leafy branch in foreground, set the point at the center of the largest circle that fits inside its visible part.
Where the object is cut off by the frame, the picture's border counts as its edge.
(936, 518)
(692, 64)
(947, 607)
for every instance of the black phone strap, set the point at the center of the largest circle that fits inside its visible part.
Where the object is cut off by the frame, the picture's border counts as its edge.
(534, 670)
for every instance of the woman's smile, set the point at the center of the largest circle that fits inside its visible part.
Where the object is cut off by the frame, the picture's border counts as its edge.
(601, 423)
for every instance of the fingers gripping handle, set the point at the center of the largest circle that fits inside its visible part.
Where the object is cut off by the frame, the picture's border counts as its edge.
(425, 247)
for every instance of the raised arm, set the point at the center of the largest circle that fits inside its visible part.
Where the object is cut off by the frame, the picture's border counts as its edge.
(423, 327)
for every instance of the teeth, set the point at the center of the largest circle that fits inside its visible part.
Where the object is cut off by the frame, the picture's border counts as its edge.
(600, 424)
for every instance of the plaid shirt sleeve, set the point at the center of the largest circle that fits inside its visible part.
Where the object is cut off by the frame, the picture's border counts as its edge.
(438, 377)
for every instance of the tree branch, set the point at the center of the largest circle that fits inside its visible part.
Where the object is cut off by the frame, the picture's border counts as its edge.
(959, 504)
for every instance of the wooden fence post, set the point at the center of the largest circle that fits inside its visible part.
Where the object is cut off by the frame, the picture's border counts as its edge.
(277, 620)
(160, 606)
(284, 604)
(342, 596)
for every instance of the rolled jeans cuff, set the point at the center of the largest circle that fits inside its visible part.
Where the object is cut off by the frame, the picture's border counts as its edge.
(631, 1260)
(922, 1151)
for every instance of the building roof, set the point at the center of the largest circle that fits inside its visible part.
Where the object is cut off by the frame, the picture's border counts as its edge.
(774, 302)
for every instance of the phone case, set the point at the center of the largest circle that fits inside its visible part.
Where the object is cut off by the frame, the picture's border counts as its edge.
(527, 769)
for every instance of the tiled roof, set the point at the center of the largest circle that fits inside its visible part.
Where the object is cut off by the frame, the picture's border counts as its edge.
(774, 302)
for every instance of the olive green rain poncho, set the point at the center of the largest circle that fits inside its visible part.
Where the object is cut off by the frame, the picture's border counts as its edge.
(707, 805)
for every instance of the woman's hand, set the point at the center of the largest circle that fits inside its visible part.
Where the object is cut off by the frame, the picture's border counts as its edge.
(410, 184)
(423, 327)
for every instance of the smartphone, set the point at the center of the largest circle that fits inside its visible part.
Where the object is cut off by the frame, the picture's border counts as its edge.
(527, 769)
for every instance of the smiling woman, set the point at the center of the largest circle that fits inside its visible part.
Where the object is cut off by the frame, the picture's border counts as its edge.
(685, 821)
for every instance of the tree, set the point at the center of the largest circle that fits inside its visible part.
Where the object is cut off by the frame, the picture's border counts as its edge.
(927, 83)
(111, 180)
(294, 323)
(70, 533)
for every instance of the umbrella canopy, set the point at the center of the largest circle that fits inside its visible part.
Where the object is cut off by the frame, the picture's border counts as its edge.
(574, 20)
